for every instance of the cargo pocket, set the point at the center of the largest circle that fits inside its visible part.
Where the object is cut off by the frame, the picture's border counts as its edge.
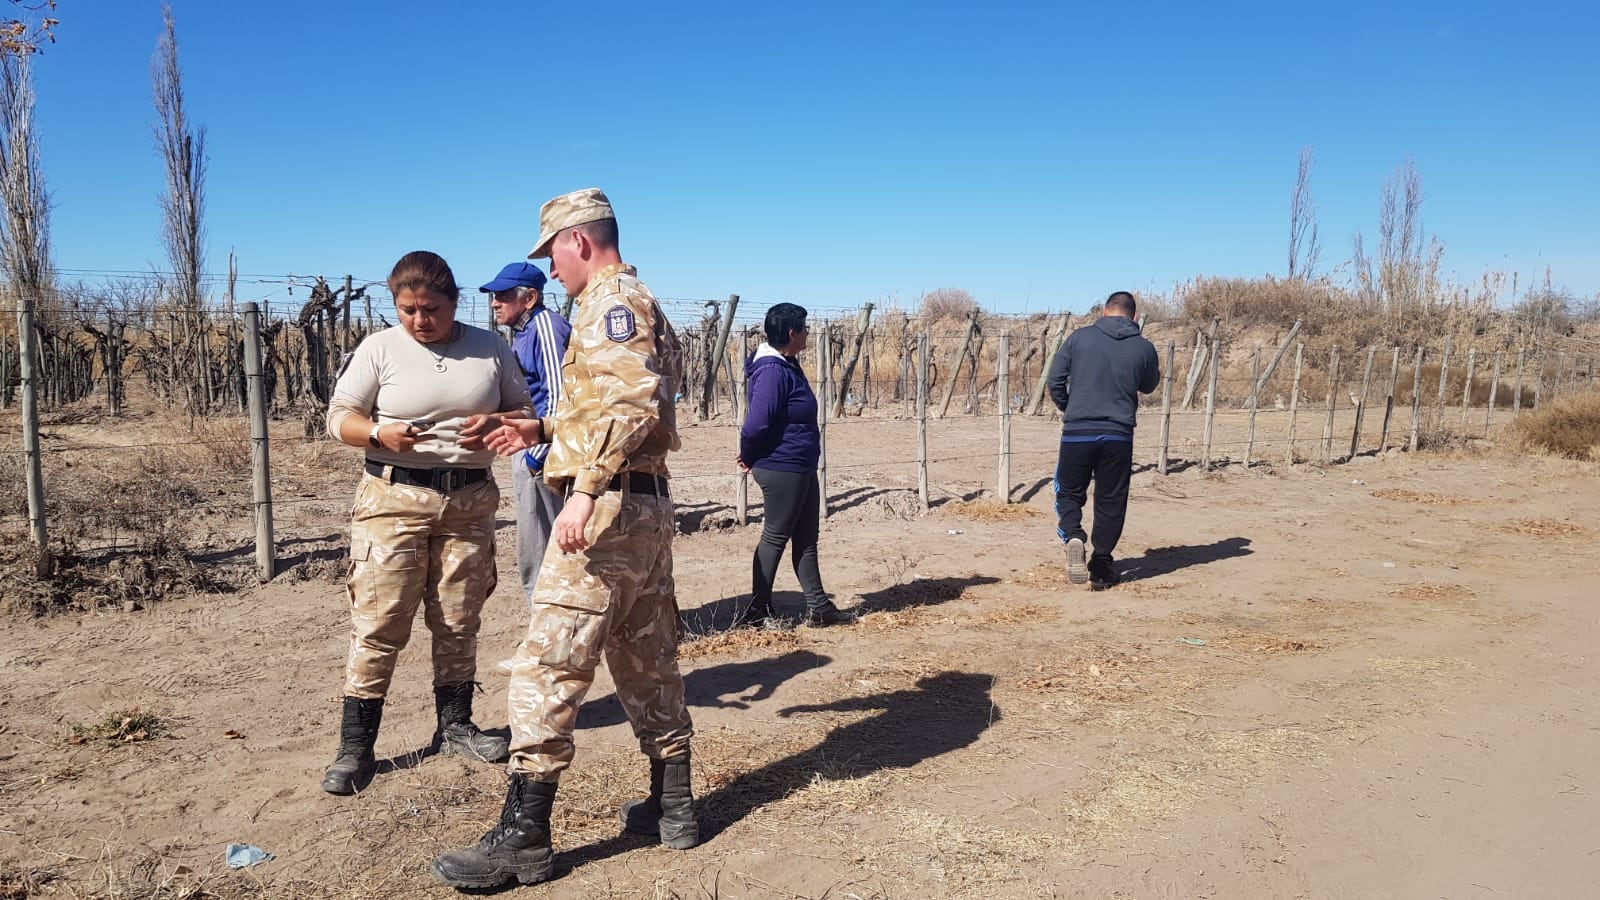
(569, 639)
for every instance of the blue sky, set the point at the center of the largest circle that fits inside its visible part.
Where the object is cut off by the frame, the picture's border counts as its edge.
(1036, 155)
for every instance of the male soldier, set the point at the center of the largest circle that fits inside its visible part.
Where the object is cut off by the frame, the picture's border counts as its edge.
(1095, 380)
(609, 588)
(539, 340)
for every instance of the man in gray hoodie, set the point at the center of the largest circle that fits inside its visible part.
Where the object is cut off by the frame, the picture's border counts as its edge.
(1095, 380)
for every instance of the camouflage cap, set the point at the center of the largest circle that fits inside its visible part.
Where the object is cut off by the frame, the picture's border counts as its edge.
(567, 210)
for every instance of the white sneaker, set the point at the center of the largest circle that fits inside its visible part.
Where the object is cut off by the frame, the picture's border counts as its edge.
(1077, 565)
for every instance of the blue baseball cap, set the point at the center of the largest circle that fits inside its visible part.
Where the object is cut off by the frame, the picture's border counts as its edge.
(518, 274)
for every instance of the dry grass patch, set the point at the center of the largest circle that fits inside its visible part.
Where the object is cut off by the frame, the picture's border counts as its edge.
(1406, 667)
(1430, 592)
(1267, 643)
(1427, 498)
(1551, 528)
(125, 727)
(1027, 614)
(964, 852)
(1568, 427)
(903, 619)
(989, 511)
(739, 641)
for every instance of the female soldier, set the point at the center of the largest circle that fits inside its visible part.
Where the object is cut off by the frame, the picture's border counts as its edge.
(423, 527)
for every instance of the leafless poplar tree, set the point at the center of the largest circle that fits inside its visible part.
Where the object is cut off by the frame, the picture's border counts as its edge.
(183, 151)
(1304, 246)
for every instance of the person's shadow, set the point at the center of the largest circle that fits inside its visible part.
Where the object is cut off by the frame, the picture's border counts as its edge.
(941, 714)
(1159, 561)
(749, 682)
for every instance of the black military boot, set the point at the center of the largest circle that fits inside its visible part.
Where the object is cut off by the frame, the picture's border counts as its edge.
(518, 847)
(822, 613)
(668, 813)
(355, 764)
(457, 736)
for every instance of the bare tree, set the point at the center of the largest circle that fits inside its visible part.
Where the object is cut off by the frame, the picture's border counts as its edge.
(1400, 241)
(183, 150)
(1304, 246)
(21, 38)
(25, 260)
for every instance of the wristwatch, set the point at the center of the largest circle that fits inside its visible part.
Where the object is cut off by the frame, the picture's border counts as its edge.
(372, 437)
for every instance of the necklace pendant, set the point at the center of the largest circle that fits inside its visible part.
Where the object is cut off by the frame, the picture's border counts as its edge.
(439, 366)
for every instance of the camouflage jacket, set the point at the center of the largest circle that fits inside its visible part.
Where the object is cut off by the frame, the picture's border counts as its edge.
(619, 383)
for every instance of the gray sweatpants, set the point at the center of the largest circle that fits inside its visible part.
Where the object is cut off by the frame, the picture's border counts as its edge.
(537, 508)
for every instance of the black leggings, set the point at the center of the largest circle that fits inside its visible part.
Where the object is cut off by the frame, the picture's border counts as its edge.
(792, 503)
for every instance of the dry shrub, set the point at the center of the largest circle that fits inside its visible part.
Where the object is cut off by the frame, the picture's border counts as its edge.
(1567, 427)
(947, 303)
(989, 510)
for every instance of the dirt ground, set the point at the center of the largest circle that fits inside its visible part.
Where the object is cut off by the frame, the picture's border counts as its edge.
(1372, 680)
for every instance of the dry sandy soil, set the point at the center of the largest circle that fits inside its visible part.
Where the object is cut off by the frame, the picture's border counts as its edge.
(1373, 680)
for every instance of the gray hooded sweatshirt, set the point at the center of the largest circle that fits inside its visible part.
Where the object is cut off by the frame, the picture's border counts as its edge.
(1097, 376)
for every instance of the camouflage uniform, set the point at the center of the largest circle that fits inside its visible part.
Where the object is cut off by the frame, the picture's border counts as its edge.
(411, 545)
(618, 384)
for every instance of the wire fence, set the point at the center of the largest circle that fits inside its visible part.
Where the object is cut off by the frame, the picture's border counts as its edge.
(909, 404)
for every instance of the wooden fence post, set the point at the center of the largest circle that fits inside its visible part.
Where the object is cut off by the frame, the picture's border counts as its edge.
(1361, 405)
(1494, 390)
(1561, 365)
(1333, 405)
(956, 361)
(1166, 407)
(1538, 382)
(261, 466)
(855, 357)
(1201, 352)
(1272, 366)
(1044, 373)
(1211, 405)
(1516, 394)
(1466, 392)
(922, 418)
(825, 377)
(1388, 403)
(1254, 401)
(1416, 401)
(708, 390)
(1003, 376)
(1444, 371)
(741, 496)
(33, 461)
(1294, 398)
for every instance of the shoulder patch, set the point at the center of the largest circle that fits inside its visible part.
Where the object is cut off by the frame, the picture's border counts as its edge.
(619, 323)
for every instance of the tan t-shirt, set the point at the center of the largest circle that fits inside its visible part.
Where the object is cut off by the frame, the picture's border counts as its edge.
(391, 377)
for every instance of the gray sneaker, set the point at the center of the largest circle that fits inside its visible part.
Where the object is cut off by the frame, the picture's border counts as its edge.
(1077, 565)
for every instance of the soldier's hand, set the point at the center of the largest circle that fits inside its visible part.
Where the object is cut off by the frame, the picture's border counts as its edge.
(574, 519)
(474, 428)
(514, 435)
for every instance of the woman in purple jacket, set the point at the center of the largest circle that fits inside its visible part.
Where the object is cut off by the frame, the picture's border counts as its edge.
(780, 445)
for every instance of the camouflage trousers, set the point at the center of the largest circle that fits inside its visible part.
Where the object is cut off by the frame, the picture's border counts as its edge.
(617, 598)
(410, 546)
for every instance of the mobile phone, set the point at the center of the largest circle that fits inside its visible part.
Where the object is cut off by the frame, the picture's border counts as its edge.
(422, 424)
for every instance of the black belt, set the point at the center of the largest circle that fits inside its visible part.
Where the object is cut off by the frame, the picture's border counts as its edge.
(442, 480)
(638, 483)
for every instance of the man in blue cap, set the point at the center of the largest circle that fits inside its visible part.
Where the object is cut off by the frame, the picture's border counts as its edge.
(539, 340)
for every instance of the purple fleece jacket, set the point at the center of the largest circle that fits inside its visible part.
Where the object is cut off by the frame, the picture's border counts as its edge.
(780, 427)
